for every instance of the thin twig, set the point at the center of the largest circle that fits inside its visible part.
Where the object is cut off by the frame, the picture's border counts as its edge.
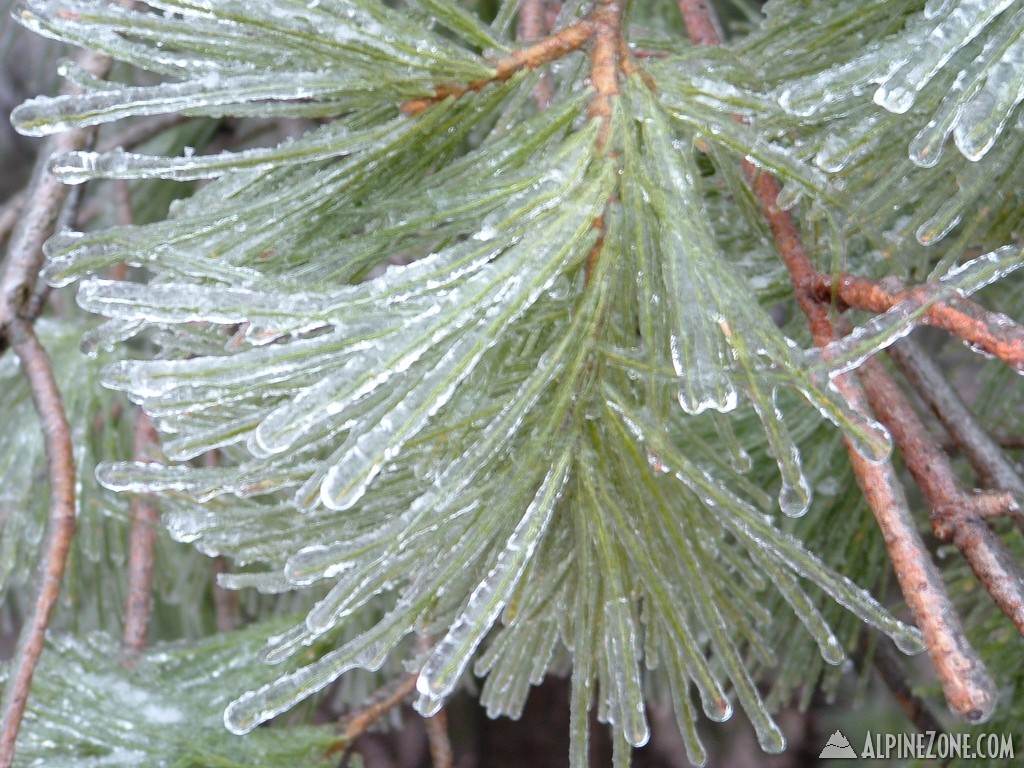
(437, 738)
(60, 527)
(390, 697)
(991, 332)
(533, 25)
(966, 683)
(141, 545)
(957, 515)
(39, 212)
(981, 450)
(565, 41)
(9, 215)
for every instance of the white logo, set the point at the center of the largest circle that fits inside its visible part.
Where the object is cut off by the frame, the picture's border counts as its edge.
(838, 747)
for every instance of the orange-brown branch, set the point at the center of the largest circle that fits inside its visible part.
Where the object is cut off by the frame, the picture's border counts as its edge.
(605, 64)
(966, 683)
(991, 332)
(563, 42)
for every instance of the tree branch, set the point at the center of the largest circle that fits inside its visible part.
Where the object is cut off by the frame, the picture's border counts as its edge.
(141, 543)
(39, 212)
(60, 527)
(981, 450)
(991, 332)
(965, 681)
(565, 41)
(533, 25)
(387, 699)
(957, 515)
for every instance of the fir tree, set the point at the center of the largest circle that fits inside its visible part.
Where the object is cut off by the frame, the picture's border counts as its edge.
(548, 344)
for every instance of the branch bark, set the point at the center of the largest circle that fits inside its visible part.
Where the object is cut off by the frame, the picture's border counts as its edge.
(968, 688)
(60, 528)
(18, 283)
(141, 544)
(991, 332)
(981, 450)
(565, 41)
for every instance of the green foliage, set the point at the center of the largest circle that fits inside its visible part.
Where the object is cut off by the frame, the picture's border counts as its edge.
(504, 377)
(164, 709)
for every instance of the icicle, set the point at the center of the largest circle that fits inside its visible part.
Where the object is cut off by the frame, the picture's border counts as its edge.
(808, 614)
(348, 479)
(624, 661)
(926, 146)
(443, 669)
(368, 651)
(324, 144)
(751, 527)
(933, 50)
(842, 150)
(738, 456)
(686, 716)
(985, 116)
(795, 494)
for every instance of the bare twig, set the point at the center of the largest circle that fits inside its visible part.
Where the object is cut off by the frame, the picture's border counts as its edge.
(982, 451)
(141, 543)
(991, 332)
(957, 515)
(565, 41)
(388, 698)
(966, 683)
(533, 25)
(39, 212)
(60, 528)
(9, 214)
(437, 738)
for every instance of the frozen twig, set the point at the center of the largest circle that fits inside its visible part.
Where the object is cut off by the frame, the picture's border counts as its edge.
(966, 683)
(957, 515)
(141, 545)
(60, 527)
(990, 332)
(605, 61)
(981, 450)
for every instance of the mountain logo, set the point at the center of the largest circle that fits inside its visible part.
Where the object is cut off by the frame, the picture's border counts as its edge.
(838, 747)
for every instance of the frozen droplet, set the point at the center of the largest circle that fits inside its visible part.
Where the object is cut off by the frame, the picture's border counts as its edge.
(795, 499)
